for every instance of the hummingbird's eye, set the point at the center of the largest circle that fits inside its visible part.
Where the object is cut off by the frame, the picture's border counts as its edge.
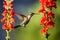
(32, 13)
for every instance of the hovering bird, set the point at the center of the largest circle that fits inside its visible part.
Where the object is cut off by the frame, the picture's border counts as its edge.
(25, 19)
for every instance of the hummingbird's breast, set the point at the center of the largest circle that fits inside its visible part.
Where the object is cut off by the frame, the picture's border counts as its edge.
(29, 16)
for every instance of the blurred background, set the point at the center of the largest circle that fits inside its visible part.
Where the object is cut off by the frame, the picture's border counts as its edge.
(32, 30)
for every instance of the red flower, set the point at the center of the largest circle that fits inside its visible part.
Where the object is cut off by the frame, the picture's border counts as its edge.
(43, 2)
(4, 26)
(50, 14)
(11, 27)
(49, 3)
(11, 6)
(44, 20)
(50, 24)
(11, 13)
(4, 19)
(7, 27)
(12, 20)
(41, 10)
(44, 30)
(4, 3)
(4, 13)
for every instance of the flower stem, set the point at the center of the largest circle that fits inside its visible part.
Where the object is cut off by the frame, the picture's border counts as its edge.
(8, 35)
(46, 36)
(46, 39)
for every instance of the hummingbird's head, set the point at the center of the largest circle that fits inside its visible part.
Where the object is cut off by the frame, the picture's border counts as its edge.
(32, 14)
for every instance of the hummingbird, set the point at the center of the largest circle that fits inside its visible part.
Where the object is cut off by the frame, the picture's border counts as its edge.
(25, 19)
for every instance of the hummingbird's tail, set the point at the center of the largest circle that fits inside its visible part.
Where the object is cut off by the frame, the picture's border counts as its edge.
(17, 26)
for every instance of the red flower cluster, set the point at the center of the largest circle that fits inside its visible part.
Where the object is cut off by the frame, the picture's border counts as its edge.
(47, 3)
(46, 20)
(8, 15)
(8, 4)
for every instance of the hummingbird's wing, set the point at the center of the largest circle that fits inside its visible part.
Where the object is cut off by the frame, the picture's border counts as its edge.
(20, 16)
